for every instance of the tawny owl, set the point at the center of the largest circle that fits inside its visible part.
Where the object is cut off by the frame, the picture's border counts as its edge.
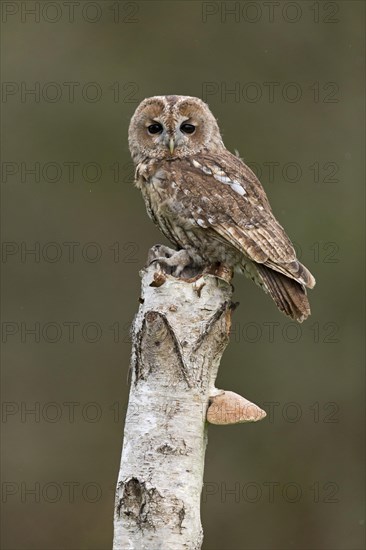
(208, 203)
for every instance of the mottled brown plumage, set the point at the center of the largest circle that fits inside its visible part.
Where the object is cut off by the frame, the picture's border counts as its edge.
(209, 203)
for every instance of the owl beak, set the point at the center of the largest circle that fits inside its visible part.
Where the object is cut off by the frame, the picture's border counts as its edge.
(171, 145)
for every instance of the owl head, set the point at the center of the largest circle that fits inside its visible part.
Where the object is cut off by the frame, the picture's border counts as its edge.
(172, 126)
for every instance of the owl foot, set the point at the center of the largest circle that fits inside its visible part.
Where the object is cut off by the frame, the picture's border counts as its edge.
(175, 260)
(159, 251)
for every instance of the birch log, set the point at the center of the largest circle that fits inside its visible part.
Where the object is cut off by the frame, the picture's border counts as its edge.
(178, 337)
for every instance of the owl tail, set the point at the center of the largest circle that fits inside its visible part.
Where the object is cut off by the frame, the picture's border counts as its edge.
(289, 296)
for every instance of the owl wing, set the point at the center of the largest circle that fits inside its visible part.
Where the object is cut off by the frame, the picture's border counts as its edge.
(225, 197)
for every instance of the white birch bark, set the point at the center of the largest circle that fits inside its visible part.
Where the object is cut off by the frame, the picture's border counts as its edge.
(179, 335)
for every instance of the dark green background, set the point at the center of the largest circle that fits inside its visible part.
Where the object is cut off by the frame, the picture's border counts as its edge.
(310, 378)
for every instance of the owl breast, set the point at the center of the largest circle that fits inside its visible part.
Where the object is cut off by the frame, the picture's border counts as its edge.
(163, 199)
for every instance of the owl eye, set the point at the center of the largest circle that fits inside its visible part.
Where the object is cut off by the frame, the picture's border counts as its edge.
(187, 128)
(155, 128)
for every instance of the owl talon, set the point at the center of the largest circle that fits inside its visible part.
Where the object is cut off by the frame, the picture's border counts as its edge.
(159, 251)
(177, 262)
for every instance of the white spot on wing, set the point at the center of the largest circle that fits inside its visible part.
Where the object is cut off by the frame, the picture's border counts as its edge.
(217, 170)
(238, 189)
(196, 164)
(201, 222)
(238, 183)
(222, 179)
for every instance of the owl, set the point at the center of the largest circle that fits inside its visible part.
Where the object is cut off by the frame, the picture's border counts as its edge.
(208, 203)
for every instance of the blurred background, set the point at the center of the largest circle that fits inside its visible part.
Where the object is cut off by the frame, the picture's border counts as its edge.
(285, 80)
